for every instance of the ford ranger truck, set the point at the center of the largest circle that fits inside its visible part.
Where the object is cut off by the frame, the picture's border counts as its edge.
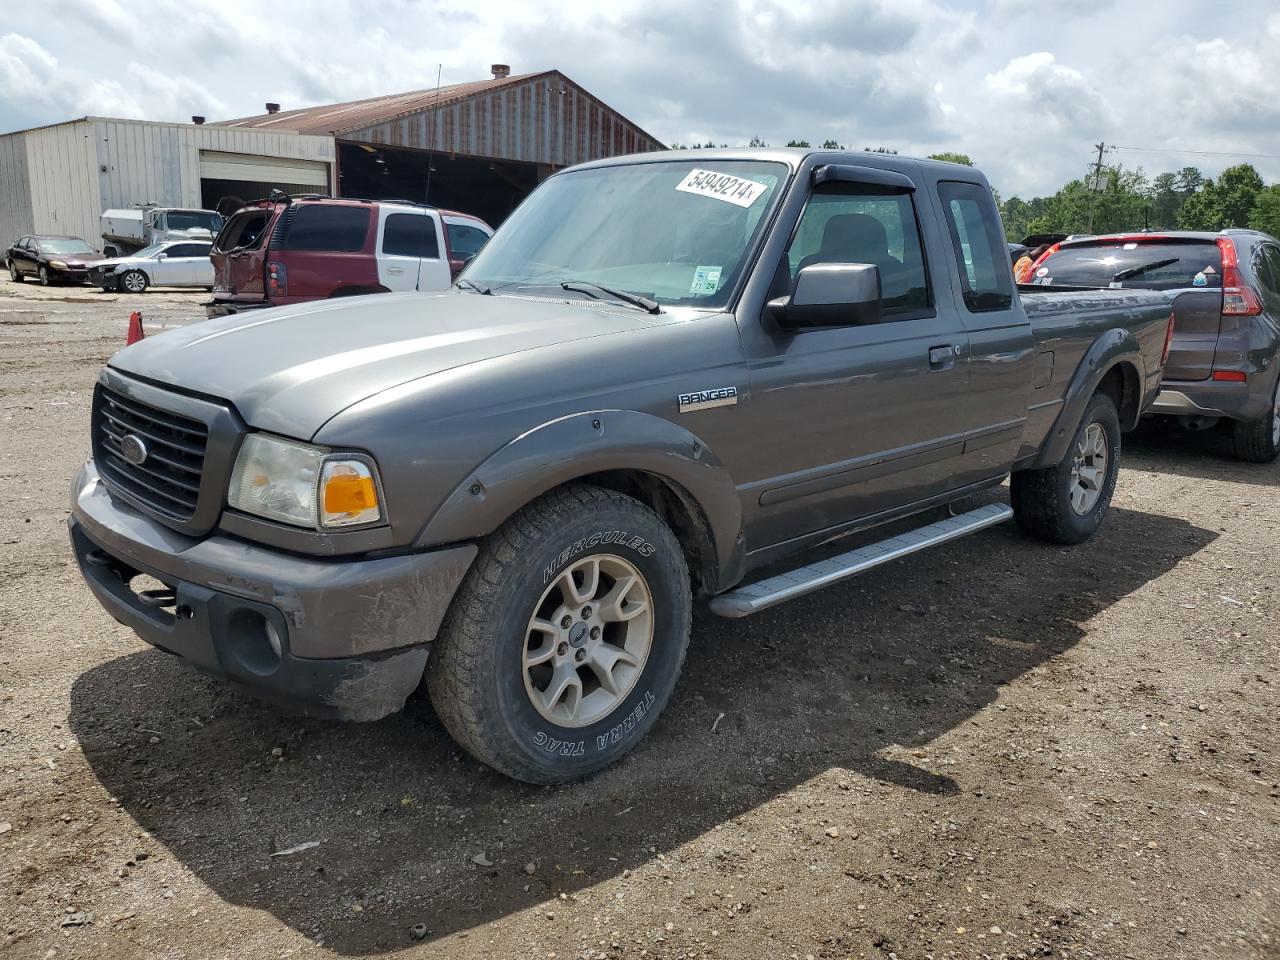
(663, 374)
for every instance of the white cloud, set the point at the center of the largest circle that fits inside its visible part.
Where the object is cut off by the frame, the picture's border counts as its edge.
(1024, 88)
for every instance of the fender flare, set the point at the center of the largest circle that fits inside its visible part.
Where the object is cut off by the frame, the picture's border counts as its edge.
(581, 444)
(1112, 348)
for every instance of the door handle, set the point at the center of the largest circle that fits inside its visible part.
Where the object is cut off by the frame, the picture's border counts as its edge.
(943, 357)
(395, 271)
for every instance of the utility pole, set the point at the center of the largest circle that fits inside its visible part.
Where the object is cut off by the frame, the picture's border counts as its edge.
(1097, 178)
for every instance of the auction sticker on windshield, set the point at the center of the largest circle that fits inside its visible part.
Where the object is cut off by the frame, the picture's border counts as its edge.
(722, 186)
(706, 281)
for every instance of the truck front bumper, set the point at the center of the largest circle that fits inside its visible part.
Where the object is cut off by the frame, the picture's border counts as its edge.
(341, 638)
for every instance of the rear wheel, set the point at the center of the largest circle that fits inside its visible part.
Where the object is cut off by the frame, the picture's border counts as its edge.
(14, 273)
(1065, 503)
(565, 640)
(135, 281)
(1258, 441)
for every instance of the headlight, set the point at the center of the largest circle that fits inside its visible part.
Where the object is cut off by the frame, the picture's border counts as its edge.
(58, 264)
(302, 484)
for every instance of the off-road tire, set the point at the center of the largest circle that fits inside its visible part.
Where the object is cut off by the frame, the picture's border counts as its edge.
(136, 277)
(1256, 441)
(476, 674)
(14, 273)
(1042, 498)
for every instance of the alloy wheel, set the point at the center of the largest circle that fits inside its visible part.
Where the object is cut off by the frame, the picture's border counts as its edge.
(588, 640)
(1089, 469)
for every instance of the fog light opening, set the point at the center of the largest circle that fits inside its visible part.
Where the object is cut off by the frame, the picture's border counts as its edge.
(255, 642)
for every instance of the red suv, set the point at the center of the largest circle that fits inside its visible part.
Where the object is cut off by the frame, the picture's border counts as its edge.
(293, 249)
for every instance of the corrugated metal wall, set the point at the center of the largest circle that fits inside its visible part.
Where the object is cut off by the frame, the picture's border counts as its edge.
(59, 179)
(534, 121)
(160, 162)
(15, 199)
(62, 179)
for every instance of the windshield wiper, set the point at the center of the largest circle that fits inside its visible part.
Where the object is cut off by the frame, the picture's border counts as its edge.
(476, 287)
(644, 303)
(1144, 267)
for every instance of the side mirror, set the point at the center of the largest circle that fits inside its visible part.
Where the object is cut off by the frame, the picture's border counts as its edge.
(830, 295)
(162, 255)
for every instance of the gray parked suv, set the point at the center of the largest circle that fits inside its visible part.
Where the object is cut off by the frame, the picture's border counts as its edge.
(662, 375)
(1224, 364)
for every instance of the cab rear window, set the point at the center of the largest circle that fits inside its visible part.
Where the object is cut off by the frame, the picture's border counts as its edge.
(1146, 265)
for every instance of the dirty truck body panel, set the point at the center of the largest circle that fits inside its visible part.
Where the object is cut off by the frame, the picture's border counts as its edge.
(470, 405)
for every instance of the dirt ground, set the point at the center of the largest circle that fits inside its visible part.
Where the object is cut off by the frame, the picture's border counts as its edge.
(996, 749)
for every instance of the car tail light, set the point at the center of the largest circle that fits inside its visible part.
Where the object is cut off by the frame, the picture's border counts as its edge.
(277, 279)
(1231, 376)
(1238, 299)
(1168, 338)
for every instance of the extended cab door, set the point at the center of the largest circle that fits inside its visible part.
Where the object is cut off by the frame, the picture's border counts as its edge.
(1002, 354)
(411, 250)
(856, 420)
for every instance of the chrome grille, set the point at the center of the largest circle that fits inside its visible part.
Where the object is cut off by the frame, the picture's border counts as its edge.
(168, 479)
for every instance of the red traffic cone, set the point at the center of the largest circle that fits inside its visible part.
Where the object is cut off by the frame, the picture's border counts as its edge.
(135, 328)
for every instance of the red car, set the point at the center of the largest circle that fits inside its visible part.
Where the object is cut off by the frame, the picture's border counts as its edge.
(291, 250)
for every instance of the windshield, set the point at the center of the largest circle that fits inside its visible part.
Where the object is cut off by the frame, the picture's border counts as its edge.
(146, 253)
(1149, 265)
(65, 246)
(677, 232)
(186, 219)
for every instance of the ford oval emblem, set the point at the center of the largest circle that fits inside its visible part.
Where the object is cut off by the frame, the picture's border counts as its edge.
(134, 450)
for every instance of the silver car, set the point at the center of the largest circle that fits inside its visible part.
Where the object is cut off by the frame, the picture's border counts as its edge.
(175, 263)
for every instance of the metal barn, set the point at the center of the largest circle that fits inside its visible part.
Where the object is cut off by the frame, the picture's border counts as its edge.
(58, 179)
(478, 147)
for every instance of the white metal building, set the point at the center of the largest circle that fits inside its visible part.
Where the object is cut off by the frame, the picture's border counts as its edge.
(58, 179)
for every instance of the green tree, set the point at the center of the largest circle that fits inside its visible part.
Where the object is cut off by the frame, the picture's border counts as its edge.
(878, 150)
(832, 145)
(1166, 201)
(1265, 215)
(1226, 202)
(757, 142)
(949, 157)
(1188, 180)
(798, 143)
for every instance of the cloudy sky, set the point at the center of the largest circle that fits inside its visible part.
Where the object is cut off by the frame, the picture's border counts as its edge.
(1026, 87)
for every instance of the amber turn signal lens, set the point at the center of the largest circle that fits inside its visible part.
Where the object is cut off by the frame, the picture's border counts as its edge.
(348, 494)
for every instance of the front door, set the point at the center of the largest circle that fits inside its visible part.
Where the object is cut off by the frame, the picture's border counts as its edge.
(854, 421)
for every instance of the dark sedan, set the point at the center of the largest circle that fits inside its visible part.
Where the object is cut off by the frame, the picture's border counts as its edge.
(51, 259)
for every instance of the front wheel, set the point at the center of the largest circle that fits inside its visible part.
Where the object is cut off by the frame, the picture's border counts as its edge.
(135, 281)
(44, 277)
(1258, 441)
(566, 638)
(1065, 503)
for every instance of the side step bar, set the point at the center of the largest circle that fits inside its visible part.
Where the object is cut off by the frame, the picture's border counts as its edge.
(754, 597)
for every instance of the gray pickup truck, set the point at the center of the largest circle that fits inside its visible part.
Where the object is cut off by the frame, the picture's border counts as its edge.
(664, 373)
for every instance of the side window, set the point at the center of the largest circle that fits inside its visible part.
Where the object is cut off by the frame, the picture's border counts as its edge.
(244, 231)
(866, 223)
(1272, 256)
(466, 241)
(979, 247)
(410, 235)
(189, 250)
(336, 229)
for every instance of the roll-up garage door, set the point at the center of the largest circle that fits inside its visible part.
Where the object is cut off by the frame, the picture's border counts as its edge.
(250, 168)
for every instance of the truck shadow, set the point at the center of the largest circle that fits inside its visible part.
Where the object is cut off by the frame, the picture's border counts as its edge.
(1161, 446)
(844, 683)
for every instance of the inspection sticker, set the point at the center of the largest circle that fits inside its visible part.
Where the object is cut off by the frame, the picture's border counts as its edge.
(706, 281)
(722, 186)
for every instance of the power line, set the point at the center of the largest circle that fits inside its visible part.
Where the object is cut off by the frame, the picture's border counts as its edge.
(1201, 153)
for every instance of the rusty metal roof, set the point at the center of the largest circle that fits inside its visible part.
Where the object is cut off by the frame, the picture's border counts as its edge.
(336, 118)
